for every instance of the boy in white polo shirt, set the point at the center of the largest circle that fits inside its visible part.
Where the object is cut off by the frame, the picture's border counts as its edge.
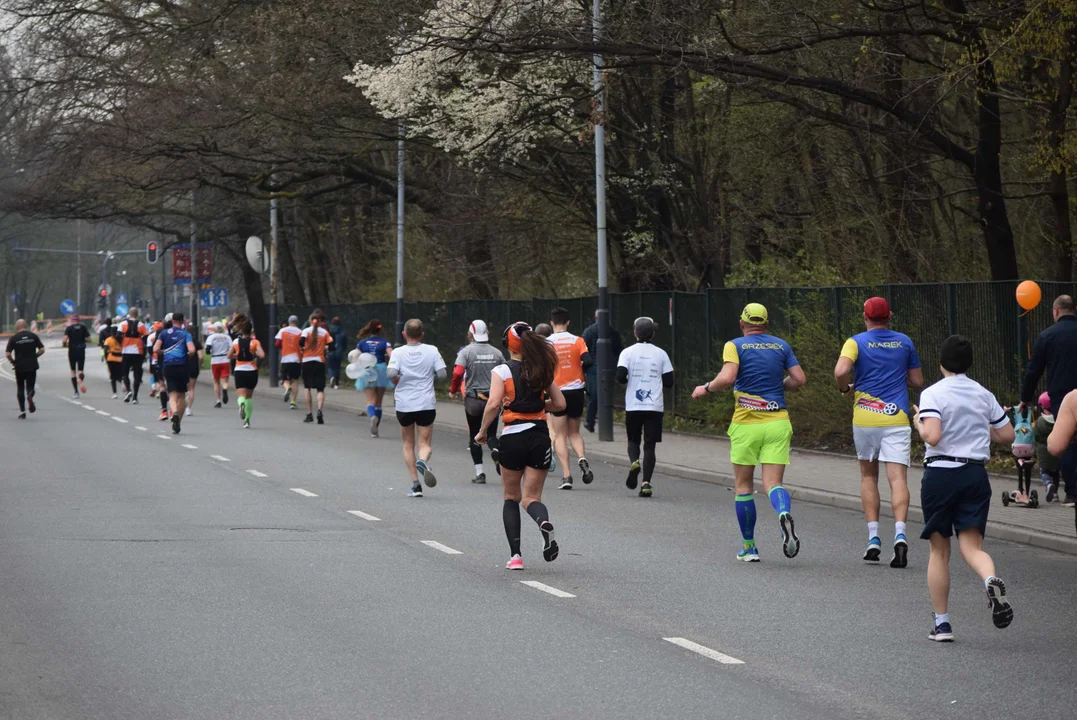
(958, 419)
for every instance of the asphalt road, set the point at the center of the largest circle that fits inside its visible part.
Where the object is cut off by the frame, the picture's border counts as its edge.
(184, 577)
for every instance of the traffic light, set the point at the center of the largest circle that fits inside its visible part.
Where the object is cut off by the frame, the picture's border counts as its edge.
(102, 299)
(152, 251)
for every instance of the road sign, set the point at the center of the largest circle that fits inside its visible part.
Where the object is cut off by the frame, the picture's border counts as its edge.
(214, 297)
(203, 262)
(121, 309)
(181, 264)
(121, 299)
(67, 307)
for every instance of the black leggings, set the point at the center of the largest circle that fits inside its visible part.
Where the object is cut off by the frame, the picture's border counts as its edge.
(25, 380)
(648, 457)
(132, 365)
(115, 373)
(473, 423)
(1024, 474)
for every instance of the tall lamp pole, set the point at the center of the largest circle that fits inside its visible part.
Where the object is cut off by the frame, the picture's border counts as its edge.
(399, 234)
(274, 352)
(605, 361)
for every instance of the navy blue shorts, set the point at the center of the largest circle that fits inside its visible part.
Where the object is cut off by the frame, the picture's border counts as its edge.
(954, 499)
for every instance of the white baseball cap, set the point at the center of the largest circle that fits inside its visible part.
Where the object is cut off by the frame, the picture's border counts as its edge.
(168, 317)
(478, 331)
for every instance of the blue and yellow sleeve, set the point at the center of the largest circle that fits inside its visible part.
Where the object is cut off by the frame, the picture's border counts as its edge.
(730, 354)
(850, 350)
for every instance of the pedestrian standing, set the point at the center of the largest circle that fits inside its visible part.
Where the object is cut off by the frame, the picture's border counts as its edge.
(23, 350)
(958, 419)
(878, 367)
(760, 368)
(1055, 352)
(336, 352)
(472, 373)
(590, 337)
(645, 371)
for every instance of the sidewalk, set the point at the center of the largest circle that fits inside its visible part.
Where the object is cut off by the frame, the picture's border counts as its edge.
(821, 478)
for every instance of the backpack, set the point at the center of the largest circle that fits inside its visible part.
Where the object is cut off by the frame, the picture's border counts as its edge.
(1024, 442)
(132, 329)
(244, 354)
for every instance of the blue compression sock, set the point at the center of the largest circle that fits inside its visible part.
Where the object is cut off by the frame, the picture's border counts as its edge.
(370, 411)
(746, 517)
(377, 411)
(780, 500)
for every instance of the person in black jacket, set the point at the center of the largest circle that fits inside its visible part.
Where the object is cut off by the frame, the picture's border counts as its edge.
(1056, 352)
(590, 336)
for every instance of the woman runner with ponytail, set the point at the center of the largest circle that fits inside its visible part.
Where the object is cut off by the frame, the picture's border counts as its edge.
(523, 391)
(245, 349)
(370, 341)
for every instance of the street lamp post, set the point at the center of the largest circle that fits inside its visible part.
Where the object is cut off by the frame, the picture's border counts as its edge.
(605, 361)
(399, 234)
(274, 352)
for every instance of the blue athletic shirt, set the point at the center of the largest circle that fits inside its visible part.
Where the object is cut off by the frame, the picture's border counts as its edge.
(881, 359)
(759, 391)
(374, 345)
(174, 345)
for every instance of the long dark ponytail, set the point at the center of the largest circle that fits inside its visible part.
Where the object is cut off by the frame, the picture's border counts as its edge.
(538, 361)
(371, 328)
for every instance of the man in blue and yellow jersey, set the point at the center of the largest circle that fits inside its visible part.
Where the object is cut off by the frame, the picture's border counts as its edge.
(756, 367)
(879, 366)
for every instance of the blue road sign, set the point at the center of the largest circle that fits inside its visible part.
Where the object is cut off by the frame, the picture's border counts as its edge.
(121, 299)
(214, 297)
(67, 307)
(121, 309)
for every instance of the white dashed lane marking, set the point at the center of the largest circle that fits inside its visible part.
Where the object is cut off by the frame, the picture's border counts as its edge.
(704, 651)
(304, 493)
(164, 437)
(365, 516)
(139, 427)
(547, 589)
(256, 473)
(220, 458)
(102, 412)
(190, 447)
(88, 407)
(441, 548)
(119, 419)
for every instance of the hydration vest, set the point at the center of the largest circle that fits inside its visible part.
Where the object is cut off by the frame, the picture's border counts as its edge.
(132, 329)
(525, 401)
(245, 354)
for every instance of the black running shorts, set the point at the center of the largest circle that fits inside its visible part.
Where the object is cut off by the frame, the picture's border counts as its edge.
(76, 358)
(314, 375)
(246, 379)
(290, 371)
(574, 402)
(176, 378)
(527, 449)
(422, 418)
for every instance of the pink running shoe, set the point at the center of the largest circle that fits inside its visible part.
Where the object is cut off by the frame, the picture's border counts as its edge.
(516, 563)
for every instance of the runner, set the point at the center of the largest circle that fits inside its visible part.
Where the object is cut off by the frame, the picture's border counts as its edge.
(23, 350)
(879, 366)
(645, 370)
(544, 330)
(133, 335)
(157, 380)
(104, 332)
(476, 362)
(313, 343)
(218, 344)
(572, 361)
(246, 351)
(958, 419)
(173, 346)
(75, 336)
(755, 367)
(114, 358)
(412, 369)
(194, 367)
(370, 341)
(523, 390)
(287, 341)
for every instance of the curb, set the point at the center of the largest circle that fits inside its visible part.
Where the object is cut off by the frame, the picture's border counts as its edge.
(845, 501)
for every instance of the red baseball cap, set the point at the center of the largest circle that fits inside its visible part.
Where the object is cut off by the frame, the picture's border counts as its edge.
(877, 308)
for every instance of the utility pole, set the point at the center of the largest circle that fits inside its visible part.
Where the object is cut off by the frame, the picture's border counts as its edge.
(605, 361)
(399, 235)
(274, 352)
(78, 270)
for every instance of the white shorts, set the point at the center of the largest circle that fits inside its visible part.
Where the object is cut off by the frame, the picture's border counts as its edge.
(885, 444)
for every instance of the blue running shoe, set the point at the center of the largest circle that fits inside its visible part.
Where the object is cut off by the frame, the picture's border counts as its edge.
(749, 554)
(901, 553)
(874, 551)
(426, 473)
(790, 541)
(416, 490)
(941, 632)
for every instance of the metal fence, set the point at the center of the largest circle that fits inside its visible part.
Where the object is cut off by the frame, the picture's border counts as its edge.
(692, 327)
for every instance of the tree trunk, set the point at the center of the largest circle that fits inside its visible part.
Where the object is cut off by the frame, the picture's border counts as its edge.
(1057, 181)
(998, 235)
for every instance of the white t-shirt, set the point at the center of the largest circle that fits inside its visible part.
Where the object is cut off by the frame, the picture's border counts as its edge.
(967, 411)
(218, 344)
(646, 364)
(417, 365)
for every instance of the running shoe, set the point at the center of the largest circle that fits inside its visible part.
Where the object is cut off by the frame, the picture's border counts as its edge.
(175, 424)
(217, 405)
(901, 553)
(224, 396)
(22, 416)
(321, 420)
(416, 490)
(553, 460)
(163, 416)
(114, 396)
(749, 554)
(646, 490)
(309, 418)
(287, 395)
(1001, 612)
(128, 396)
(31, 404)
(134, 401)
(941, 632)
(790, 541)
(550, 549)
(246, 425)
(495, 454)
(75, 396)
(292, 406)
(153, 392)
(1070, 501)
(874, 551)
(427, 474)
(516, 563)
(187, 413)
(479, 479)
(633, 475)
(1052, 492)
(589, 428)
(566, 483)
(585, 468)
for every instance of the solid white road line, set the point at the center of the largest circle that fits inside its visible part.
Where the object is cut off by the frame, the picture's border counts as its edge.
(191, 447)
(220, 458)
(365, 516)
(704, 651)
(304, 493)
(255, 473)
(139, 427)
(443, 548)
(119, 419)
(102, 412)
(547, 589)
(164, 437)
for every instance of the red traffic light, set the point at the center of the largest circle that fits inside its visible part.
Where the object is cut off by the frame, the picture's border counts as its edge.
(151, 252)
(103, 292)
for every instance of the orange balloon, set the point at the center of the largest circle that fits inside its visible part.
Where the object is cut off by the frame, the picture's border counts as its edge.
(1028, 294)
